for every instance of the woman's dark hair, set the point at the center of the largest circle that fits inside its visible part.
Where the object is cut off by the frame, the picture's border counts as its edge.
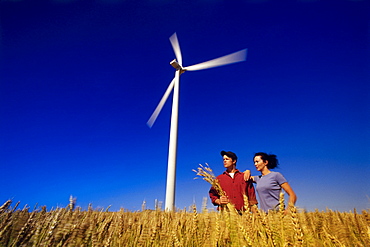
(271, 158)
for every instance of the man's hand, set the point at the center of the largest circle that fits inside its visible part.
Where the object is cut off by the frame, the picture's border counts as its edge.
(222, 200)
(247, 175)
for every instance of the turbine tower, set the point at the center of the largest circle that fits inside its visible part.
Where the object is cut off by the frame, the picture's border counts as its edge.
(236, 57)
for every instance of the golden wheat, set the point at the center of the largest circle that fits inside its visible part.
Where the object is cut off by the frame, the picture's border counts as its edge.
(71, 226)
(62, 227)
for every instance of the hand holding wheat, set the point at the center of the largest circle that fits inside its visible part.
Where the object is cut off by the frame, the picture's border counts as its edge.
(207, 174)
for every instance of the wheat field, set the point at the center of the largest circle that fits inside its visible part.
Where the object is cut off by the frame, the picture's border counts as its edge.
(72, 226)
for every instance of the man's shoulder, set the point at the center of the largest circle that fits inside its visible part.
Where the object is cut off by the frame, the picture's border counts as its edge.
(223, 175)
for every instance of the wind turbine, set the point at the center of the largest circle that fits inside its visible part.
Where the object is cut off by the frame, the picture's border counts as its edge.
(236, 57)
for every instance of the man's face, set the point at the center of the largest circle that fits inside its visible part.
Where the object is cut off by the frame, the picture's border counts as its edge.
(228, 162)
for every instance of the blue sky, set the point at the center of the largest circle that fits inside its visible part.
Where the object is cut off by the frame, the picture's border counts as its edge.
(79, 80)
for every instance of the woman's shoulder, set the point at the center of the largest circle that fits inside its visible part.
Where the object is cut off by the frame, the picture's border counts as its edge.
(275, 173)
(279, 177)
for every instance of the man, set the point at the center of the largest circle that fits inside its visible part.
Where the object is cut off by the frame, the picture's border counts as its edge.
(233, 184)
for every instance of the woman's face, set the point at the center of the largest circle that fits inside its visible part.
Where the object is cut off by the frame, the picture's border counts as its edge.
(259, 163)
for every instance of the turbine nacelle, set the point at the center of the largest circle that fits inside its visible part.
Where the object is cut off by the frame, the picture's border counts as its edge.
(177, 66)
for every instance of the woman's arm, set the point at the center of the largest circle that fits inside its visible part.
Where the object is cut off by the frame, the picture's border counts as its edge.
(290, 192)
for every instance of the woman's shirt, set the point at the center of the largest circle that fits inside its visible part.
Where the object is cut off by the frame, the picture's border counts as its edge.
(268, 189)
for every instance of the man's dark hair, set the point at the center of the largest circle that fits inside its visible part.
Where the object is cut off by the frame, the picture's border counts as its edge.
(230, 155)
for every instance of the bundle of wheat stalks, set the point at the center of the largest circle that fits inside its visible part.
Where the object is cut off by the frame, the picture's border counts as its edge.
(72, 226)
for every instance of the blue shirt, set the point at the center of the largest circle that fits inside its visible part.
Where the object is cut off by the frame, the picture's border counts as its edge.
(268, 189)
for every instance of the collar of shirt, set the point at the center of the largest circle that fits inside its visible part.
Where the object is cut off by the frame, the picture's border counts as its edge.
(236, 172)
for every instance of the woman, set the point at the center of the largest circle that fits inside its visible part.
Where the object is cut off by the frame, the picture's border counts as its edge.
(269, 184)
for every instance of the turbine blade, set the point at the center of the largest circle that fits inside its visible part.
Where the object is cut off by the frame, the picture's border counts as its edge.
(176, 48)
(159, 107)
(235, 57)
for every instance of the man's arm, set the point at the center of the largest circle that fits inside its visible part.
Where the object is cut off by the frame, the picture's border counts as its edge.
(251, 193)
(247, 176)
(216, 199)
